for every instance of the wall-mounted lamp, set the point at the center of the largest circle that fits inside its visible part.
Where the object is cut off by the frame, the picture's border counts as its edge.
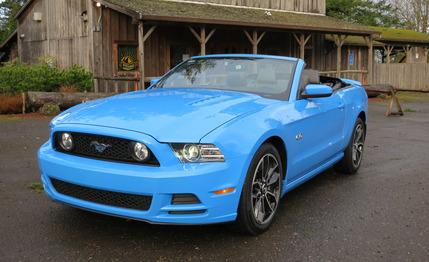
(98, 4)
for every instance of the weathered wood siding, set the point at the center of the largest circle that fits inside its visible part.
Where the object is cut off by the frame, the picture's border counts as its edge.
(32, 34)
(67, 32)
(308, 6)
(119, 28)
(62, 33)
(66, 35)
(116, 27)
(413, 77)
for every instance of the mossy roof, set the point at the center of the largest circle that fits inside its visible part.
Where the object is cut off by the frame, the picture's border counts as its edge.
(401, 35)
(389, 36)
(355, 41)
(164, 10)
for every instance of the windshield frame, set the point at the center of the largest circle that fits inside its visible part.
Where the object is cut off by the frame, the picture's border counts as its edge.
(279, 96)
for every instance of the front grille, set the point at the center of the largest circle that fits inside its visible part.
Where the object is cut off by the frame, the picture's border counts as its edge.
(117, 149)
(116, 199)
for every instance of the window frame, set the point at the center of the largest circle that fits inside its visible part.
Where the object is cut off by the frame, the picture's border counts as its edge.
(115, 64)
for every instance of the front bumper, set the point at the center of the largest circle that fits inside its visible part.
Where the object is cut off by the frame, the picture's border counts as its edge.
(160, 183)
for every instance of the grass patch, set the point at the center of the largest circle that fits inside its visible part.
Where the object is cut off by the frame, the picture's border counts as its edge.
(409, 110)
(20, 117)
(37, 187)
(409, 97)
(7, 118)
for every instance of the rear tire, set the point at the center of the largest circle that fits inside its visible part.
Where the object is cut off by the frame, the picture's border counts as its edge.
(261, 192)
(353, 154)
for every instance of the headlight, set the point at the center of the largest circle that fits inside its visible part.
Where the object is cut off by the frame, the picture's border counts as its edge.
(140, 151)
(66, 141)
(197, 153)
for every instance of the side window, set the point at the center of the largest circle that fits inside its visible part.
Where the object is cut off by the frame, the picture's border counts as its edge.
(302, 84)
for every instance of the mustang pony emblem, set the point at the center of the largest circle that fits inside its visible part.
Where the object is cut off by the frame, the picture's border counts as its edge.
(99, 147)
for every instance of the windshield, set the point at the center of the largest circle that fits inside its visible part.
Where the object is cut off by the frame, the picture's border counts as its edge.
(263, 76)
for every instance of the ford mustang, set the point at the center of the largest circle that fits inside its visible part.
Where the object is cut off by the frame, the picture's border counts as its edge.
(220, 138)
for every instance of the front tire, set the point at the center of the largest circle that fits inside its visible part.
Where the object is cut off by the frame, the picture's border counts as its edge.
(261, 192)
(353, 154)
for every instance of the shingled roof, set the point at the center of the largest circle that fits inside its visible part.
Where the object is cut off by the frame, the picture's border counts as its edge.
(165, 10)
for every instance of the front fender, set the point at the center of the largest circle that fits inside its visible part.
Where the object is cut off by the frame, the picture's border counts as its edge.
(242, 137)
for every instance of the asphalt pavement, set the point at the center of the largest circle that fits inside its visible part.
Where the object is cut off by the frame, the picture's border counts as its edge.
(379, 214)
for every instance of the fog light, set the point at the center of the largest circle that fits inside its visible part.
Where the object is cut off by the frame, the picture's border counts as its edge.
(140, 152)
(66, 142)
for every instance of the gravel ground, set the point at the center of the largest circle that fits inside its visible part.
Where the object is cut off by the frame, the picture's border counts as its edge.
(380, 214)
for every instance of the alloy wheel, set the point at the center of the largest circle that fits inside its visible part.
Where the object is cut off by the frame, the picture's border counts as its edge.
(358, 145)
(266, 189)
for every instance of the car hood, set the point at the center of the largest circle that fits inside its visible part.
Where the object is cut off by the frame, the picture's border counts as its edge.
(168, 115)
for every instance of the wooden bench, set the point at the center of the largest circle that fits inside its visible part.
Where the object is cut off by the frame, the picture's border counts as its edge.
(391, 92)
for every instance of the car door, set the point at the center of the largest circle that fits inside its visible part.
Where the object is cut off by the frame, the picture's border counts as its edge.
(317, 132)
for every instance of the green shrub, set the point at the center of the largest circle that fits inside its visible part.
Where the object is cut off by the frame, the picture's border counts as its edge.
(17, 77)
(78, 77)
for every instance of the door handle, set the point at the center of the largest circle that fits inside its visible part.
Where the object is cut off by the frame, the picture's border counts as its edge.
(341, 106)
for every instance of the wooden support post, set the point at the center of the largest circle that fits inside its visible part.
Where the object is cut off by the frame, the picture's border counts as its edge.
(203, 41)
(24, 102)
(339, 42)
(302, 42)
(202, 38)
(426, 52)
(388, 51)
(141, 53)
(254, 39)
(142, 37)
(370, 44)
(407, 51)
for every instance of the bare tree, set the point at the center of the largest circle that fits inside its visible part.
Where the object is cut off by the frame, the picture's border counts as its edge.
(414, 13)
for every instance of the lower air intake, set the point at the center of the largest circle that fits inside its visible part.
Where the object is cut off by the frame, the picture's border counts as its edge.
(109, 198)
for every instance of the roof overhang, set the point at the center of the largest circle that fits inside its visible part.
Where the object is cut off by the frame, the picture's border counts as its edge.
(356, 41)
(11, 37)
(183, 12)
(23, 8)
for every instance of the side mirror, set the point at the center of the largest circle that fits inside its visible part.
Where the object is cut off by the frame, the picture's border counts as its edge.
(154, 81)
(316, 91)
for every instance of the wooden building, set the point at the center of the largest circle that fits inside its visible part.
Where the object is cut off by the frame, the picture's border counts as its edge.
(9, 48)
(124, 41)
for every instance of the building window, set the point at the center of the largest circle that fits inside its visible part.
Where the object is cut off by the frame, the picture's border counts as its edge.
(127, 57)
(352, 58)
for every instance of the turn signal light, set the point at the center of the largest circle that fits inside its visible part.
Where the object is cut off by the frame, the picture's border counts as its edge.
(224, 191)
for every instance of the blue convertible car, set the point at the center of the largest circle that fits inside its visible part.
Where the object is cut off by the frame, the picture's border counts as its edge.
(219, 138)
